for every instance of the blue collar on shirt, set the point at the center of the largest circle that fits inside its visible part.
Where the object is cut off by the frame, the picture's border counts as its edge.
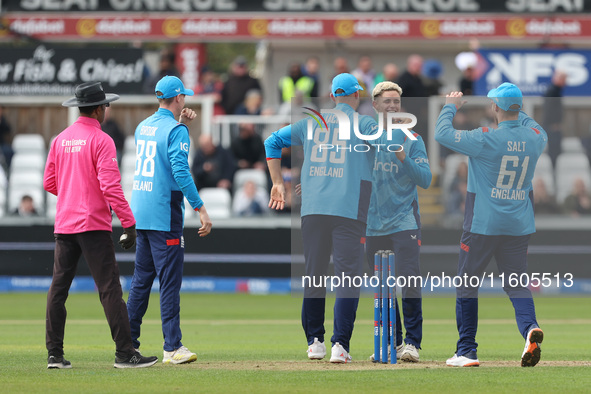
(165, 112)
(344, 106)
(510, 123)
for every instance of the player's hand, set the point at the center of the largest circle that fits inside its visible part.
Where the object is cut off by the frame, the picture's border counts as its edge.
(205, 222)
(402, 121)
(455, 98)
(128, 237)
(401, 155)
(187, 115)
(298, 189)
(277, 200)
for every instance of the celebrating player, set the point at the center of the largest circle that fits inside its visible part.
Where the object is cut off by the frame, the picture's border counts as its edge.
(499, 215)
(336, 189)
(162, 180)
(394, 222)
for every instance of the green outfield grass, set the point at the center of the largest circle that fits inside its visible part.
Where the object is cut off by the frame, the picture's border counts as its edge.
(251, 343)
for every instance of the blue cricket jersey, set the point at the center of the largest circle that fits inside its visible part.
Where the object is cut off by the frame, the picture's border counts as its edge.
(162, 176)
(501, 167)
(394, 200)
(335, 181)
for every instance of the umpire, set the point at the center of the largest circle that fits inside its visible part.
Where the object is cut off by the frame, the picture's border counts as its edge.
(82, 172)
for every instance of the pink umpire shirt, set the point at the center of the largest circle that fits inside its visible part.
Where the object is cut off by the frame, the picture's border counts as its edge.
(82, 171)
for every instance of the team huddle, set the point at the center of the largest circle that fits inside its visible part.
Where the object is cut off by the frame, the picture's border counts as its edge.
(366, 208)
(370, 209)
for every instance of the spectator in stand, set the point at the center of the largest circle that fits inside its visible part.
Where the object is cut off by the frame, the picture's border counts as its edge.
(579, 201)
(210, 84)
(544, 203)
(432, 70)
(466, 63)
(389, 73)
(467, 81)
(166, 67)
(112, 129)
(365, 76)
(410, 81)
(456, 200)
(213, 166)
(294, 82)
(248, 148)
(5, 134)
(365, 73)
(310, 69)
(340, 65)
(586, 141)
(554, 114)
(252, 105)
(239, 82)
(250, 200)
(26, 207)
(296, 102)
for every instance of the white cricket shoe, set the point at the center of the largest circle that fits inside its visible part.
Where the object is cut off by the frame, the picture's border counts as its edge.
(399, 350)
(463, 361)
(317, 350)
(410, 353)
(532, 351)
(339, 355)
(181, 355)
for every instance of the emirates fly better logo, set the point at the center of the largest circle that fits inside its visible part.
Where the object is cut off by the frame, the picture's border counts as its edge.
(373, 140)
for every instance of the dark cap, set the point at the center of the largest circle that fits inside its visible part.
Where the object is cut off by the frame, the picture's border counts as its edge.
(240, 60)
(89, 94)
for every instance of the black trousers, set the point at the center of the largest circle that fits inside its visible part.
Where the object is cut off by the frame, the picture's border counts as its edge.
(99, 252)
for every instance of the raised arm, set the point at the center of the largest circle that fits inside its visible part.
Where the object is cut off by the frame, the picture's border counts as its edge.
(467, 142)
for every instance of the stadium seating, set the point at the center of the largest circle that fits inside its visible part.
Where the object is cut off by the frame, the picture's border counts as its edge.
(32, 143)
(572, 145)
(26, 183)
(451, 167)
(129, 145)
(51, 205)
(257, 176)
(127, 169)
(569, 167)
(28, 161)
(3, 190)
(545, 171)
(218, 202)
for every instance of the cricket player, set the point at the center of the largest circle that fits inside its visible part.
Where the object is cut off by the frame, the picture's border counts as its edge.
(394, 221)
(499, 215)
(336, 190)
(161, 183)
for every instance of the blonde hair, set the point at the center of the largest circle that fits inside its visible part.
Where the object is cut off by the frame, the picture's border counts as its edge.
(385, 86)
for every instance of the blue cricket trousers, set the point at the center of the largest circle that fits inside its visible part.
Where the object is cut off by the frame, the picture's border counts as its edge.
(158, 253)
(510, 253)
(406, 245)
(324, 235)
